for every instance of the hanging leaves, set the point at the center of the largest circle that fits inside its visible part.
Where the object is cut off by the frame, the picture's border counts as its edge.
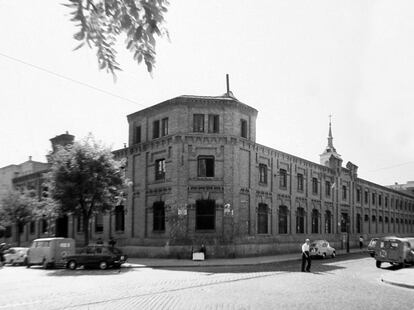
(101, 22)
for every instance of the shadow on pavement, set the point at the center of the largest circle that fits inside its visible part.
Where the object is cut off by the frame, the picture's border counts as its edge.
(86, 272)
(319, 266)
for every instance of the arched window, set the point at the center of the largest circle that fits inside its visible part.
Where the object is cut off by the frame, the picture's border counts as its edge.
(158, 210)
(283, 214)
(328, 222)
(119, 218)
(315, 221)
(262, 217)
(300, 221)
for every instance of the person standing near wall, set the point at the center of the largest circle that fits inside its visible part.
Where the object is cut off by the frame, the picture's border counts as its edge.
(361, 242)
(306, 260)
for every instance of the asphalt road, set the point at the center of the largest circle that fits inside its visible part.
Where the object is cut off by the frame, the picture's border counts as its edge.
(351, 282)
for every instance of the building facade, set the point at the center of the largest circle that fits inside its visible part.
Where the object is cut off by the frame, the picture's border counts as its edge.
(199, 177)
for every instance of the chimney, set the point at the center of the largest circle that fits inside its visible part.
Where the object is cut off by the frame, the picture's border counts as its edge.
(30, 158)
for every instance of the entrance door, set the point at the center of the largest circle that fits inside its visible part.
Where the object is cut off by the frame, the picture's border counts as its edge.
(62, 227)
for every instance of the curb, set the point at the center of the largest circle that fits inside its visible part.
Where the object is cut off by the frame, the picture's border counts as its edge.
(405, 285)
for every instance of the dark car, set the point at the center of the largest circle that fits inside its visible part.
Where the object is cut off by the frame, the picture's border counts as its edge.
(98, 256)
(371, 246)
(396, 251)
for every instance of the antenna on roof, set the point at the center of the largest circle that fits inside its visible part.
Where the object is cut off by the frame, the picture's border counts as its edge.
(228, 83)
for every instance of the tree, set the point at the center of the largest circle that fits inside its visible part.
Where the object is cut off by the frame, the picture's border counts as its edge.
(18, 209)
(102, 22)
(85, 180)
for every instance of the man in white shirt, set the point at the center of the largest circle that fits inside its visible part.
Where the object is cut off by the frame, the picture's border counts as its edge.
(306, 256)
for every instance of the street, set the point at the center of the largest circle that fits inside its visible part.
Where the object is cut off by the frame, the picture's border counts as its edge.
(346, 282)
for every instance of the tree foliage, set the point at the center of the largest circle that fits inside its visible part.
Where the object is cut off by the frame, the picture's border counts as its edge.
(86, 180)
(102, 22)
(18, 209)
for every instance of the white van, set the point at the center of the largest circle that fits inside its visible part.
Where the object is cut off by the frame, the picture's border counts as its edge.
(50, 252)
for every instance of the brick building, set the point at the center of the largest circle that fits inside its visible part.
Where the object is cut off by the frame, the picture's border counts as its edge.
(199, 177)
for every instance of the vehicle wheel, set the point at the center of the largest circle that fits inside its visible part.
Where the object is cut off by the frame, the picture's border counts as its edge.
(378, 264)
(333, 254)
(72, 265)
(103, 265)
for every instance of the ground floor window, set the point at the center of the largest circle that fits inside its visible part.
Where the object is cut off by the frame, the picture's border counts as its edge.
(158, 209)
(79, 226)
(119, 218)
(300, 221)
(328, 222)
(45, 226)
(262, 219)
(283, 218)
(205, 214)
(358, 223)
(32, 227)
(344, 222)
(315, 221)
(99, 223)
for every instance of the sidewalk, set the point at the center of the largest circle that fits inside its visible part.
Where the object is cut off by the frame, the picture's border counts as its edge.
(402, 277)
(215, 262)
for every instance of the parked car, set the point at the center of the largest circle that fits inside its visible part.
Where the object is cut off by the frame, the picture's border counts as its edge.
(50, 252)
(322, 249)
(16, 255)
(371, 246)
(99, 256)
(396, 251)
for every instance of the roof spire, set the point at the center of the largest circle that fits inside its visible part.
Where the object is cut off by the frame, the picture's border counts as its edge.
(330, 138)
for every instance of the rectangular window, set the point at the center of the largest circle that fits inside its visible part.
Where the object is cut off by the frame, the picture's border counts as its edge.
(159, 216)
(386, 201)
(164, 126)
(79, 227)
(32, 227)
(243, 128)
(137, 135)
(198, 123)
(366, 197)
(283, 178)
(160, 169)
(262, 219)
(344, 192)
(156, 129)
(205, 166)
(99, 223)
(300, 182)
(373, 198)
(119, 218)
(379, 200)
(344, 222)
(205, 214)
(314, 186)
(213, 123)
(327, 188)
(45, 226)
(263, 173)
(358, 195)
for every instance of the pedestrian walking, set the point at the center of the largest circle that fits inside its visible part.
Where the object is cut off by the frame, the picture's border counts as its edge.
(361, 242)
(306, 260)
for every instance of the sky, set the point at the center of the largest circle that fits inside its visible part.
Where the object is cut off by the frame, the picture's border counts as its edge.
(295, 61)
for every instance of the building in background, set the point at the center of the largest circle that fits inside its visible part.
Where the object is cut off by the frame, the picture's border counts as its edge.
(406, 188)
